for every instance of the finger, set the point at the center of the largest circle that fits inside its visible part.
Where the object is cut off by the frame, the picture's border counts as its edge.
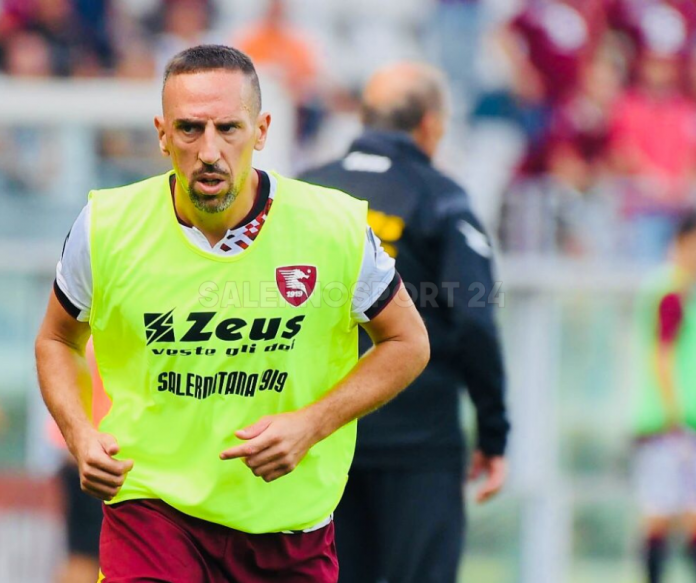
(109, 443)
(111, 448)
(101, 492)
(109, 464)
(270, 455)
(254, 430)
(95, 475)
(248, 449)
(490, 488)
(282, 466)
(275, 474)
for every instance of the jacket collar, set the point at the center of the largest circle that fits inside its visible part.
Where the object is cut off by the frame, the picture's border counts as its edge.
(390, 144)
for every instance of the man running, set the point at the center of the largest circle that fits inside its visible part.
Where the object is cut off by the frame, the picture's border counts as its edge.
(234, 388)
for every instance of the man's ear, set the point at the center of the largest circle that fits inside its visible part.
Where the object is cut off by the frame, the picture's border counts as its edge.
(162, 136)
(262, 123)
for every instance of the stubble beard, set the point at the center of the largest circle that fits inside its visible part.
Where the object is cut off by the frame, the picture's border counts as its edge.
(212, 205)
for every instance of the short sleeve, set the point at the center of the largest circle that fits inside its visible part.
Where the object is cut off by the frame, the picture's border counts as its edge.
(73, 285)
(373, 290)
(670, 317)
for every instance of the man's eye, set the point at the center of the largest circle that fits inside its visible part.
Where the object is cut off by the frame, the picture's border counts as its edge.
(187, 129)
(226, 128)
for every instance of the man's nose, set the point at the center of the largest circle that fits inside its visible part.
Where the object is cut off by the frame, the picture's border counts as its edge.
(210, 151)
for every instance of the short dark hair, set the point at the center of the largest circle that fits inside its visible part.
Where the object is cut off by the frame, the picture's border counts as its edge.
(686, 225)
(406, 114)
(210, 57)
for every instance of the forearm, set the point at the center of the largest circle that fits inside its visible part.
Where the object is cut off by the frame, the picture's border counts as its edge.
(383, 372)
(66, 386)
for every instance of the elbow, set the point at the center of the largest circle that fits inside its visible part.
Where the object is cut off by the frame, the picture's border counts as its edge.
(421, 351)
(39, 344)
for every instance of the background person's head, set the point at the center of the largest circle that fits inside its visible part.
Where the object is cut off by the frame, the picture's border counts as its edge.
(408, 97)
(211, 123)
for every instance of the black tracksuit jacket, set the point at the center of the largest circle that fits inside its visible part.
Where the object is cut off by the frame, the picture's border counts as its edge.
(444, 256)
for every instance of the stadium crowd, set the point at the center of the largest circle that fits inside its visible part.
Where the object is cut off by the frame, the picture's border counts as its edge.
(601, 93)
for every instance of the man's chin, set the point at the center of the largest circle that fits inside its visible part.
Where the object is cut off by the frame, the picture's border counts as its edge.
(211, 203)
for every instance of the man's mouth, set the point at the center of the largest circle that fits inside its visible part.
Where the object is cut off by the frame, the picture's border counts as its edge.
(210, 183)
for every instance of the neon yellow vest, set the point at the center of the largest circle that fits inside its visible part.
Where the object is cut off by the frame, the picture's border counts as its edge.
(193, 346)
(650, 415)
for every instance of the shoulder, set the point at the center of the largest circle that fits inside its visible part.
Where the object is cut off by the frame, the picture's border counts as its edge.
(308, 196)
(322, 174)
(445, 197)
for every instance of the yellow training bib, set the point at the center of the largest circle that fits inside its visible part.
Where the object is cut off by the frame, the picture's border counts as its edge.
(193, 346)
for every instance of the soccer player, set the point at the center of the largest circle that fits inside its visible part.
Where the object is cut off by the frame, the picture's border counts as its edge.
(401, 518)
(220, 300)
(665, 416)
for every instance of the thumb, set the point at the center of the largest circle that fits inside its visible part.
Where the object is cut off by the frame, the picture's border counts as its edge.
(254, 430)
(111, 447)
(109, 443)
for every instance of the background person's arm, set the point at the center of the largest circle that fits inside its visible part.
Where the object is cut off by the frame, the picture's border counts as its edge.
(670, 316)
(66, 387)
(474, 344)
(276, 444)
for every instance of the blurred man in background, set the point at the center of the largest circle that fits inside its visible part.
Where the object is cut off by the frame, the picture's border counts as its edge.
(665, 417)
(401, 518)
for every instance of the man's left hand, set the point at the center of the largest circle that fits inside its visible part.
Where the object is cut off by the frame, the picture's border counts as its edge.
(274, 445)
(495, 470)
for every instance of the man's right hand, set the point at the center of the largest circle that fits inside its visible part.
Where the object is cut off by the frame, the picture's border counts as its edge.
(101, 475)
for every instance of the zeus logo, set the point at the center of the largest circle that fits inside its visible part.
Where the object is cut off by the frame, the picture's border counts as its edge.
(159, 327)
(201, 328)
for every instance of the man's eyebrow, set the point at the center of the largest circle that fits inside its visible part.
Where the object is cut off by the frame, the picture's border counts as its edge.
(188, 122)
(200, 122)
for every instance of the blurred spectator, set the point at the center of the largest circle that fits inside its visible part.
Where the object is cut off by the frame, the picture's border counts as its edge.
(57, 21)
(578, 137)
(93, 16)
(27, 54)
(664, 27)
(283, 51)
(653, 134)
(184, 23)
(275, 45)
(136, 61)
(549, 42)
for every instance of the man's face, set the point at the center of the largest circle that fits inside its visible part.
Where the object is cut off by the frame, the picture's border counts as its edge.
(210, 129)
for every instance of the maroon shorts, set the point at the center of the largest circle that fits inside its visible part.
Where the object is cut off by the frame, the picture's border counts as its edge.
(147, 541)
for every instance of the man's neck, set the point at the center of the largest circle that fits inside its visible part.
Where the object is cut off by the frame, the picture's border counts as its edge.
(214, 226)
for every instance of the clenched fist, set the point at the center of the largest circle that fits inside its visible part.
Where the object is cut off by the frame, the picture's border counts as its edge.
(101, 475)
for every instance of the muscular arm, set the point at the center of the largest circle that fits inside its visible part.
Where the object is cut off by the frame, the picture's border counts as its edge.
(64, 376)
(66, 387)
(400, 352)
(276, 444)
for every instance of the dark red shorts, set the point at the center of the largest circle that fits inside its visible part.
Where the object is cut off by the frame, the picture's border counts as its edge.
(147, 541)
